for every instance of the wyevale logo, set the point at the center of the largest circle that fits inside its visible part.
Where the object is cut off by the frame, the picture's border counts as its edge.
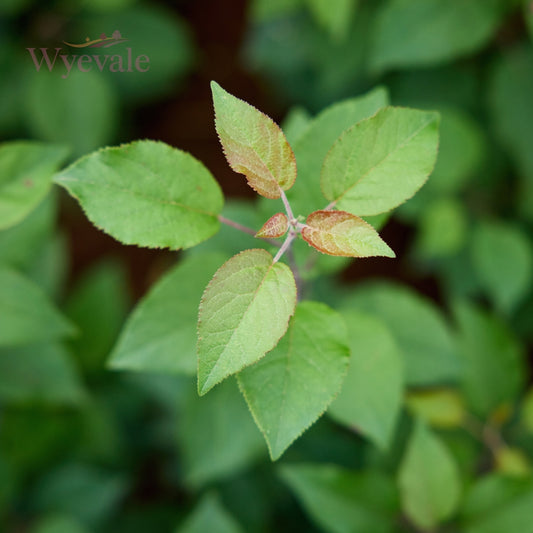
(85, 62)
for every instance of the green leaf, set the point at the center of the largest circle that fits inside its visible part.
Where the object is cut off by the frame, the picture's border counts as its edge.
(244, 312)
(372, 393)
(232, 443)
(510, 90)
(253, 144)
(411, 33)
(503, 258)
(146, 193)
(423, 336)
(313, 145)
(139, 24)
(292, 386)
(343, 234)
(527, 411)
(39, 373)
(494, 369)
(441, 408)
(26, 170)
(26, 314)
(262, 10)
(462, 147)
(160, 334)
(528, 14)
(442, 228)
(59, 523)
(429, 479)
(209, 515)
(497, 503)
(295, 123)
(80, 110)
(20, 244)
(380, 162)
(342, 501)
(334, 16)
(512, 462)
(276, 226)
(88, 493)
(99, 325)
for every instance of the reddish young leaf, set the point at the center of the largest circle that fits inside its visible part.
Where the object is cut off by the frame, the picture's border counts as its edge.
(254, 144)
(341, 233)
(275, 226)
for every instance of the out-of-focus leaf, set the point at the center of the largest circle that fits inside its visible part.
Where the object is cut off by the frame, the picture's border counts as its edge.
(39, 373)
(371, 396)
(80, 110)
(334, 16)
(170, 54)
(26, 170)
(527, 411)
(511, 99)
(429, 479)
(146, 193)
(493, 359)
(244, 312)
(424, 338)
(503, 258)
(461, 151)
(497, 503)
(512, 462)
(382, 161)
(209, 516)
(84, 492)
(343, 234)
(441, 408)
(528, 14)
(27, 315)
(160, 334)
(59, 523)
(253, 144)
(20, 244)
(295, 123)
(217, 435)
(262, 10)
(50, 267)
(297, 58)
(442, 229)
(446, 88)
(292, 386)
(342, 501)
(97, 305)
(411, 33)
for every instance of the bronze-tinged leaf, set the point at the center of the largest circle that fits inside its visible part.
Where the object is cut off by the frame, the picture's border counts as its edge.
(254, 144)
(276, 226)
(343, 234)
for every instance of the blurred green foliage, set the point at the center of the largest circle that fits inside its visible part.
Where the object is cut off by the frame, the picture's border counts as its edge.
(86, 449)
